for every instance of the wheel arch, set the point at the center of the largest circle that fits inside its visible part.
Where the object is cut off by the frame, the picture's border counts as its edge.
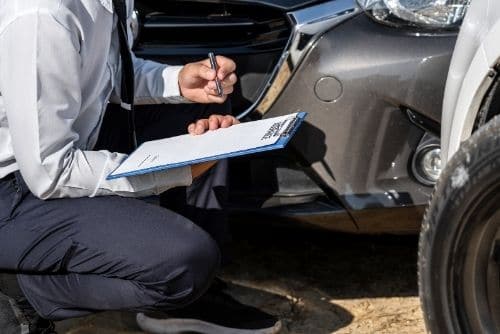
(478, 87)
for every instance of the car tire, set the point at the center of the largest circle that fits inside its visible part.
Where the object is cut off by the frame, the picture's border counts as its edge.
(459, 246)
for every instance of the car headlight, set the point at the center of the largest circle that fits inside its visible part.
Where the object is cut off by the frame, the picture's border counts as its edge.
(428, 13)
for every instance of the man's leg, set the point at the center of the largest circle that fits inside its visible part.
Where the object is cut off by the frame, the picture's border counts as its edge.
(78, 256)
(203, 202)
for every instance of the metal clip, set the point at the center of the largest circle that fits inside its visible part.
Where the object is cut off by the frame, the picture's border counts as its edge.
(290, 127)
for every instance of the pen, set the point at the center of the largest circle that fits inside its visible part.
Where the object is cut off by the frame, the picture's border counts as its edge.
(213, 64)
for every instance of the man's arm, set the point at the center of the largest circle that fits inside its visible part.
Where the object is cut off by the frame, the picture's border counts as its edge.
(157, 83)
(42, 96)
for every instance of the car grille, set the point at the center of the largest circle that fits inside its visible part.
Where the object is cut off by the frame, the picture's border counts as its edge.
(191, 27)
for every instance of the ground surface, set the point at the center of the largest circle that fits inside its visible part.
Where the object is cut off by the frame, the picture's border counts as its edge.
(317, 281)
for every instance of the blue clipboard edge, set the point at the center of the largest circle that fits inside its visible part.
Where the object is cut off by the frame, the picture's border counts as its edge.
(280, 144)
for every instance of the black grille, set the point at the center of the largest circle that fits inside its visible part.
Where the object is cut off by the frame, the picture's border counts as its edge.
(195, 25)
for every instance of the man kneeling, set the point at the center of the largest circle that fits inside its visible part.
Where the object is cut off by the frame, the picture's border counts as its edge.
(71, 242)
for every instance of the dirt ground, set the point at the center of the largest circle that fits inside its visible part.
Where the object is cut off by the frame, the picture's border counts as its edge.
(316, 281)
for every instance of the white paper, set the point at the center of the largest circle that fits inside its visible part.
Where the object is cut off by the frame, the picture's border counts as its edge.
(183, 149)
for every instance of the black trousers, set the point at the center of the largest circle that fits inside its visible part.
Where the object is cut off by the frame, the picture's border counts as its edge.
(77, 256)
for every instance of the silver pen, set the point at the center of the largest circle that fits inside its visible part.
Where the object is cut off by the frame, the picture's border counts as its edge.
(213, 65)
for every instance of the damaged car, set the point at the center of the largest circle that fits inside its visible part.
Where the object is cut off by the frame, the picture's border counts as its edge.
(371, 75)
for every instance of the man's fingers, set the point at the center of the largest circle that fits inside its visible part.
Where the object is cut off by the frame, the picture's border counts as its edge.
(197, 80)
(201, 126)
(229, 80)
(205, 72)
(213, 91)
(228, 90)
(225, 91)
(227, 121)
(215, 121)
(221, 121)
(226, 67)
(214, 98)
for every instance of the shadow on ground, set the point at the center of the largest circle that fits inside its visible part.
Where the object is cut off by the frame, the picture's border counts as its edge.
(316, 281)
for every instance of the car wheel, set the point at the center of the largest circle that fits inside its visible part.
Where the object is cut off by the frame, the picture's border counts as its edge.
(459, 248)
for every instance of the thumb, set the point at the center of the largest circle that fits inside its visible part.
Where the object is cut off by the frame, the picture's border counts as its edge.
(205, 72)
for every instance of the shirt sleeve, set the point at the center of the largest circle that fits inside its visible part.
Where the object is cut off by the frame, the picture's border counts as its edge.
(156, 83)
(40, 84)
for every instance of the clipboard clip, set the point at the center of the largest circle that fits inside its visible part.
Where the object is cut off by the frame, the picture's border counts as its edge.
(290, 127)
(276, 130)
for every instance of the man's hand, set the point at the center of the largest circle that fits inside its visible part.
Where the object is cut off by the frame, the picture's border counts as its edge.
(214, 122)
(201, 168)
(197, 80)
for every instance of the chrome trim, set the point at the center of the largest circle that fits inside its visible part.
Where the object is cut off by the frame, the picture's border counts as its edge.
(308, 25)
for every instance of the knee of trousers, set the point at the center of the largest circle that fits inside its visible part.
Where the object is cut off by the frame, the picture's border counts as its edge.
(195, 268)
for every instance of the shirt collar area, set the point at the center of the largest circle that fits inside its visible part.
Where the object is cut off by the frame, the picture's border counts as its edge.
(108, 4)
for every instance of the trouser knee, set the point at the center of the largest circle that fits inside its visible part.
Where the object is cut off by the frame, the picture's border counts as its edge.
(197, 265)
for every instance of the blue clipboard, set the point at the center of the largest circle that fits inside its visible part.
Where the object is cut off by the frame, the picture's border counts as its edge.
(285, 137)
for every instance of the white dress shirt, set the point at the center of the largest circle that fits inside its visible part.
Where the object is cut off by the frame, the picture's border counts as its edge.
(59, 66)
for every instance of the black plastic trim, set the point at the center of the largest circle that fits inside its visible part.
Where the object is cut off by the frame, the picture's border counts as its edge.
(423, 122)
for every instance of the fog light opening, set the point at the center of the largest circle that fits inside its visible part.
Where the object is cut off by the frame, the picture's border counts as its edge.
(427, 165)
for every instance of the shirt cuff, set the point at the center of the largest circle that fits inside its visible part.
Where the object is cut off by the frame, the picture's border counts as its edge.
(175, 177)
(171, 89)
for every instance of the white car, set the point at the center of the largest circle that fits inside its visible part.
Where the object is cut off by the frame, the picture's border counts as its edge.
(459, 252)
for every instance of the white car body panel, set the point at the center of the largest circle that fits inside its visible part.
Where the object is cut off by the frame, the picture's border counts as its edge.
(476, 53)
